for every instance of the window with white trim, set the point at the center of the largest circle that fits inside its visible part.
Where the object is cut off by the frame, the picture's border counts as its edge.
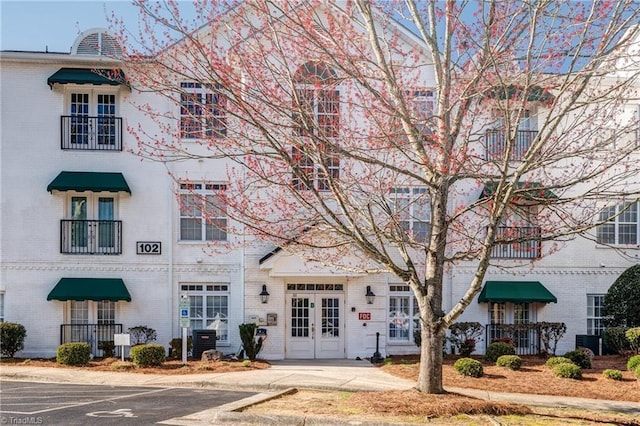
(316, 116)
(595, 319)
(621, 225)
(403, 315)
(412, 208)
(209, 308)
(202, 111)
(203, 212)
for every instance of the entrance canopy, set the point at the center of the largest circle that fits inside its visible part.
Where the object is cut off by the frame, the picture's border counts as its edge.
(96, 289)
(516, 292)
(89, 181)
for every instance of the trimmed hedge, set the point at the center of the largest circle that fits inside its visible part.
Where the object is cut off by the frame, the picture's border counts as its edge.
(557, 360)
(512, 362)
(12, 337)
(579, 358)
(469, 367)
(612, 374)
(567, 371)
(148, 355)
(74, 353)
(497, 349)
(633, 363)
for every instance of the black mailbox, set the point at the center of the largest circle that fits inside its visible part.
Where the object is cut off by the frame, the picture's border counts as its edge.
(203, 340)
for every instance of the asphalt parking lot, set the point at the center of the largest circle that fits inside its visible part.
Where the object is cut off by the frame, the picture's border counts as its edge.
(28, 403)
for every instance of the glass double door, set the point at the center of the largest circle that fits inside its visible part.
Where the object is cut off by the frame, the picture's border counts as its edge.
(93, 226)
(315, 326)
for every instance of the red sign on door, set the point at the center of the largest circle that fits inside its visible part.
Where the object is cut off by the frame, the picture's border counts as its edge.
(364, 316)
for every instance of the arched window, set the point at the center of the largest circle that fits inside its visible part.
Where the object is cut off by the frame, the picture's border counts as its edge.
(316, 115)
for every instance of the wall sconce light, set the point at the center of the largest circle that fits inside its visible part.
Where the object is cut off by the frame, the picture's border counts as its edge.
(264, 294)
(370, 295)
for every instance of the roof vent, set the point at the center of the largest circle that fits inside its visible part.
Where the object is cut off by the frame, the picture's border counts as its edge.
(97, 42)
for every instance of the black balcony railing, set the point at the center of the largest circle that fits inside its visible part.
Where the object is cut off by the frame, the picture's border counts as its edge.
(93, 334)
(91, 236)
(525, 338)
(524, 243)
(495, 143)
(91, 133)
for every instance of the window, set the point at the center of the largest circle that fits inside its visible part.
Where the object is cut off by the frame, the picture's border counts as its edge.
(203, 212)
(91, 226)
(621, 224)
(496, 137)
(1, 307)
(209, 308)
(595, 320)
(520, 227)
(316, 116)
(202, 111)
(412, 207)
(404, 314)
(92, 123)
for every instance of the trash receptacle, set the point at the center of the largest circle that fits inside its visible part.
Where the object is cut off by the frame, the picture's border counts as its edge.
(203, 340)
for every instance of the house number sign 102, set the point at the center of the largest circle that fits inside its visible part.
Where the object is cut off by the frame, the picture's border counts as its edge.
(148, 247)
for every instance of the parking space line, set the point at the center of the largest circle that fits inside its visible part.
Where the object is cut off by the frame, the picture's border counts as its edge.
(80, 404)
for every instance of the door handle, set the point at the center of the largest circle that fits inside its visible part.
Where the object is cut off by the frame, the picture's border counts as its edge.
(313, 331)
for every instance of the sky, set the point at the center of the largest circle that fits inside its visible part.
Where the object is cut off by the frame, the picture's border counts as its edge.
(54, 25)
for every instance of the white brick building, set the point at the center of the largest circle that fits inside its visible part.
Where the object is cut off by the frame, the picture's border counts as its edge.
(84, 255)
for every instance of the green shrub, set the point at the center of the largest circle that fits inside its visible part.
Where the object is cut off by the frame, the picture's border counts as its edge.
(469, 367)
(615, 339)
(557, 360)
(107, 347)
(633, 363)
(176, 346)
(250, 344)
(12, 337)
(612, 374)
(637, 373)
(497, 349)
(75, 353)
(567, 371)
(633, 336)
(147, 355)
(579, 358)
(512, 362)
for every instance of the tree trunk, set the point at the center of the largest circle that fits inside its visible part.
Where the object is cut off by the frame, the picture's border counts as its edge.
(430, 377)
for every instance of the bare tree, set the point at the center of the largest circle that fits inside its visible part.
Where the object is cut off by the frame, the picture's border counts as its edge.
(324, 110)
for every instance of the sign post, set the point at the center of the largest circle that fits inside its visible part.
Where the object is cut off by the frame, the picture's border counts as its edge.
(122, 340)
(184, 323)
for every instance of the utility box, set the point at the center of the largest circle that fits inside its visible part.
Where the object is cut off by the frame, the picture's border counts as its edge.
(203, 340)
(589, 341)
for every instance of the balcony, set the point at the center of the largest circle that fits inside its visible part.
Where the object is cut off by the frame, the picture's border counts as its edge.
(91, 334)
(524, 243)
(91, 236)
(525, 338)
(91, 133)
(495, 143)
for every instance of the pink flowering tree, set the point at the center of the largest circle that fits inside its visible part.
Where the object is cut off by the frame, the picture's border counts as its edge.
(322, 112)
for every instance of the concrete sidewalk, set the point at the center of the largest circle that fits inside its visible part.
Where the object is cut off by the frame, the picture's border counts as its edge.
(282, 377)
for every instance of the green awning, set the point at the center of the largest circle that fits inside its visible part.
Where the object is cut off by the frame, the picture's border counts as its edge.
(534, 93)
(532, 191)
(89, 181)
(90, 289)
(87, 76)
(516, 292)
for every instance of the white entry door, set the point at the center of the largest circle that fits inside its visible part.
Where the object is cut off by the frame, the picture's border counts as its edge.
(315, 326)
